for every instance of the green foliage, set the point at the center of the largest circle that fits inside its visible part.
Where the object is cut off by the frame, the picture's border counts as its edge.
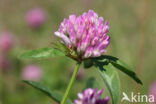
(121, 66)
(42, 53)
(104, 63)
(109, 75)
(111, 79)
(88, 63)
(52, 94)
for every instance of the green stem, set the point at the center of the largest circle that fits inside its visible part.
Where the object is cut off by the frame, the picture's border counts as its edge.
(71, 83)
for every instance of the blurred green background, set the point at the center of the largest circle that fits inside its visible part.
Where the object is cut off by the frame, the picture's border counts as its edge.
(132, 27)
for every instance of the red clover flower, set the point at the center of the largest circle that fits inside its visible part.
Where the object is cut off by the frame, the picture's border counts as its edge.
(84, 36)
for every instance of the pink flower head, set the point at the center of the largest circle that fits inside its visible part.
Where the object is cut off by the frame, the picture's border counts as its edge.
(152, 91)
(36, 17)
(32, 72)
(86, 35)
(91, 96)
(6, 41)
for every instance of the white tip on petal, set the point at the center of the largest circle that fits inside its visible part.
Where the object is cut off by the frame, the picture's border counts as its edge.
(57, 34)
(96, 53)
(77, 102)
(80, 95)
(63, 37)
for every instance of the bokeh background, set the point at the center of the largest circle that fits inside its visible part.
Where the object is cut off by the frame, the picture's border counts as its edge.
(132, 27)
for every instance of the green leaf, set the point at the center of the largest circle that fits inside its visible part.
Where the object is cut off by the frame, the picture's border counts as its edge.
(52, 94)
(42, 53)
(88, 63)
(121, 66)
(111, 79)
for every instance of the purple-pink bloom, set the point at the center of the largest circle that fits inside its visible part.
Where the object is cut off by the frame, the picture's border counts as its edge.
(36, 17)
(91, 96)
(6, 41)
(86, 35)
(32, 72)
(152, 91)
